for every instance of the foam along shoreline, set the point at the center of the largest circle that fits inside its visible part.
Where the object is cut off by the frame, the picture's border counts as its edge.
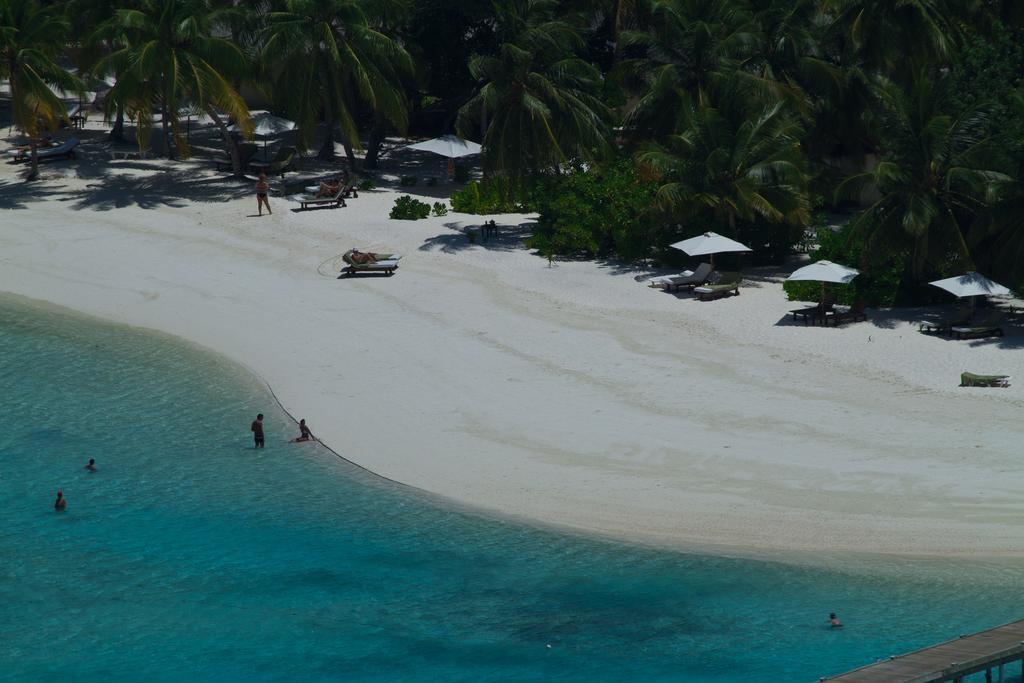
(569, 395)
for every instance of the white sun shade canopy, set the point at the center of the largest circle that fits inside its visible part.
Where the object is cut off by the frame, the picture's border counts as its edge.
(825, 271)
(709, 243)
(971, 284)
(448, 146)
(268, 125)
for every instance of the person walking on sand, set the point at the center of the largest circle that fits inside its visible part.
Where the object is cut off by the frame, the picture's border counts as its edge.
(304, 433)
(257, 430)
(91, 465)
(61, 503)
(262, 188)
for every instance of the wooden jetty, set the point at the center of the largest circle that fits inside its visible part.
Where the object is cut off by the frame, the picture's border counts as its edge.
(988, 651)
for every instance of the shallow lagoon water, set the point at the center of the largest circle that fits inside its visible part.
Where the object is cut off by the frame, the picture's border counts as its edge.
(190, 555)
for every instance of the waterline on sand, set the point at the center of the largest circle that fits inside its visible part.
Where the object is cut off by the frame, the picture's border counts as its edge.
(190, 554)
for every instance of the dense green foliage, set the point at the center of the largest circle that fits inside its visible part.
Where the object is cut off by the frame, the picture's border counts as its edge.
(408, 209)
(626, 123)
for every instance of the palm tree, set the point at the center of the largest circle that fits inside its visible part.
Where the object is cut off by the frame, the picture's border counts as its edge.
(326, 59)
(934, 171)
(685, 45)
(732, 165)
(897, 37)
(31, 39)
(172, 58)
(538, 103)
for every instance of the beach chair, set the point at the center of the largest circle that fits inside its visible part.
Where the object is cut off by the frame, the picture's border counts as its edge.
(728, 285)
(976, 331)
(63, 150)
(246, 151)
(853, 314)
(662, 280)
(385, 263)
(696, 279)
(281, 162)
(945, 327)
(337, 199)
(969, 379)
(817, 313)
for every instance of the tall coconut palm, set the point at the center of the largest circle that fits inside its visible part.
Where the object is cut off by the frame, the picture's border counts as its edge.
(31, 40)
(538, 103)
(931, 180)
(172, 58)
(325, 59)
(731, 164)
(897, 37)
(684, 45)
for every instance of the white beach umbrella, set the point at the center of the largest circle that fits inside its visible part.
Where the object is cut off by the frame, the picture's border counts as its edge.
(971, 284)
(824, 271)
(710, 243)
(448, 146)
(266, 126)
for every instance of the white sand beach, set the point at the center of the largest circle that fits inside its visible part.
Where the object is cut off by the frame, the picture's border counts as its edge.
(570, 395)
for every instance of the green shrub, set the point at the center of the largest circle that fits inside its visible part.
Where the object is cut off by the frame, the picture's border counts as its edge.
(407, 181)
(600, 210)
(367, 184)
(440, 209)
(408, 209)
(490, 195)
(461, 174)
(878, 284)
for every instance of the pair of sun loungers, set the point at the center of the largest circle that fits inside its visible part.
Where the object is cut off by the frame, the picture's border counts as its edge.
(63, 150)
(381, 263)
(960, 327)
(826, 313)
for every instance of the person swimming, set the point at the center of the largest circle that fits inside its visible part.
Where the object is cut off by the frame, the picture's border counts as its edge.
(91, 465)
(304, 433)
(833, 620)
(61, 503)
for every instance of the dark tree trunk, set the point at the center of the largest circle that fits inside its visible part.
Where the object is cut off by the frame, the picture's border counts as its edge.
(117, 132)
(327, 149)
(168, 149)
(33, 171)
(374, 143)
(229, 141)
(350, 154)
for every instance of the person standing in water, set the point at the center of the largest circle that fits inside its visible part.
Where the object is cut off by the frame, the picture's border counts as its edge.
(257, 430)
(304, 433)
(91, 465)
(262, 188)
(61, 503)
(833, 621)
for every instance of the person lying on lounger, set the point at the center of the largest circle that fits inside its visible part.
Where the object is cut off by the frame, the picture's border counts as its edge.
(329, 188)
(363, 256)
(45, 142)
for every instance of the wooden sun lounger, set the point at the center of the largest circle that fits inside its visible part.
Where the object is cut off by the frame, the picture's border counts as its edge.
(336, 200)
(969, 379)
(978, 332)
(731, 287)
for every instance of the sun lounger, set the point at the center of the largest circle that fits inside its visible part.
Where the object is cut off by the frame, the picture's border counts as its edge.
(696, 279)
(386, 263)
(662, 280)
(977, 332)
(282, 162)
(815, 314)
(64, 150)
(246, 151)
(852, 314)
(337, 199)
(729, 286)
(969, 379)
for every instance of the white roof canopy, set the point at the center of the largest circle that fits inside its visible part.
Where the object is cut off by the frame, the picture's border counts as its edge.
(448, 146)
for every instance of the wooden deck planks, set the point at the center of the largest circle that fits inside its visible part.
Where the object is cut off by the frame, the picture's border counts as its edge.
(970, 653)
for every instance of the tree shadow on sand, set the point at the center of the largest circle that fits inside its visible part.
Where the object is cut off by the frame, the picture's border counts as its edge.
(506, 238)
(175, 188)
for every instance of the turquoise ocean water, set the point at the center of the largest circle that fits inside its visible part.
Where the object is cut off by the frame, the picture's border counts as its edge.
(188, 556)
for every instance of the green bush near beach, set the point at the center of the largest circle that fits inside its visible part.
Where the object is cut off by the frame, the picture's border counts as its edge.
(487, 196)
(408, 209)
